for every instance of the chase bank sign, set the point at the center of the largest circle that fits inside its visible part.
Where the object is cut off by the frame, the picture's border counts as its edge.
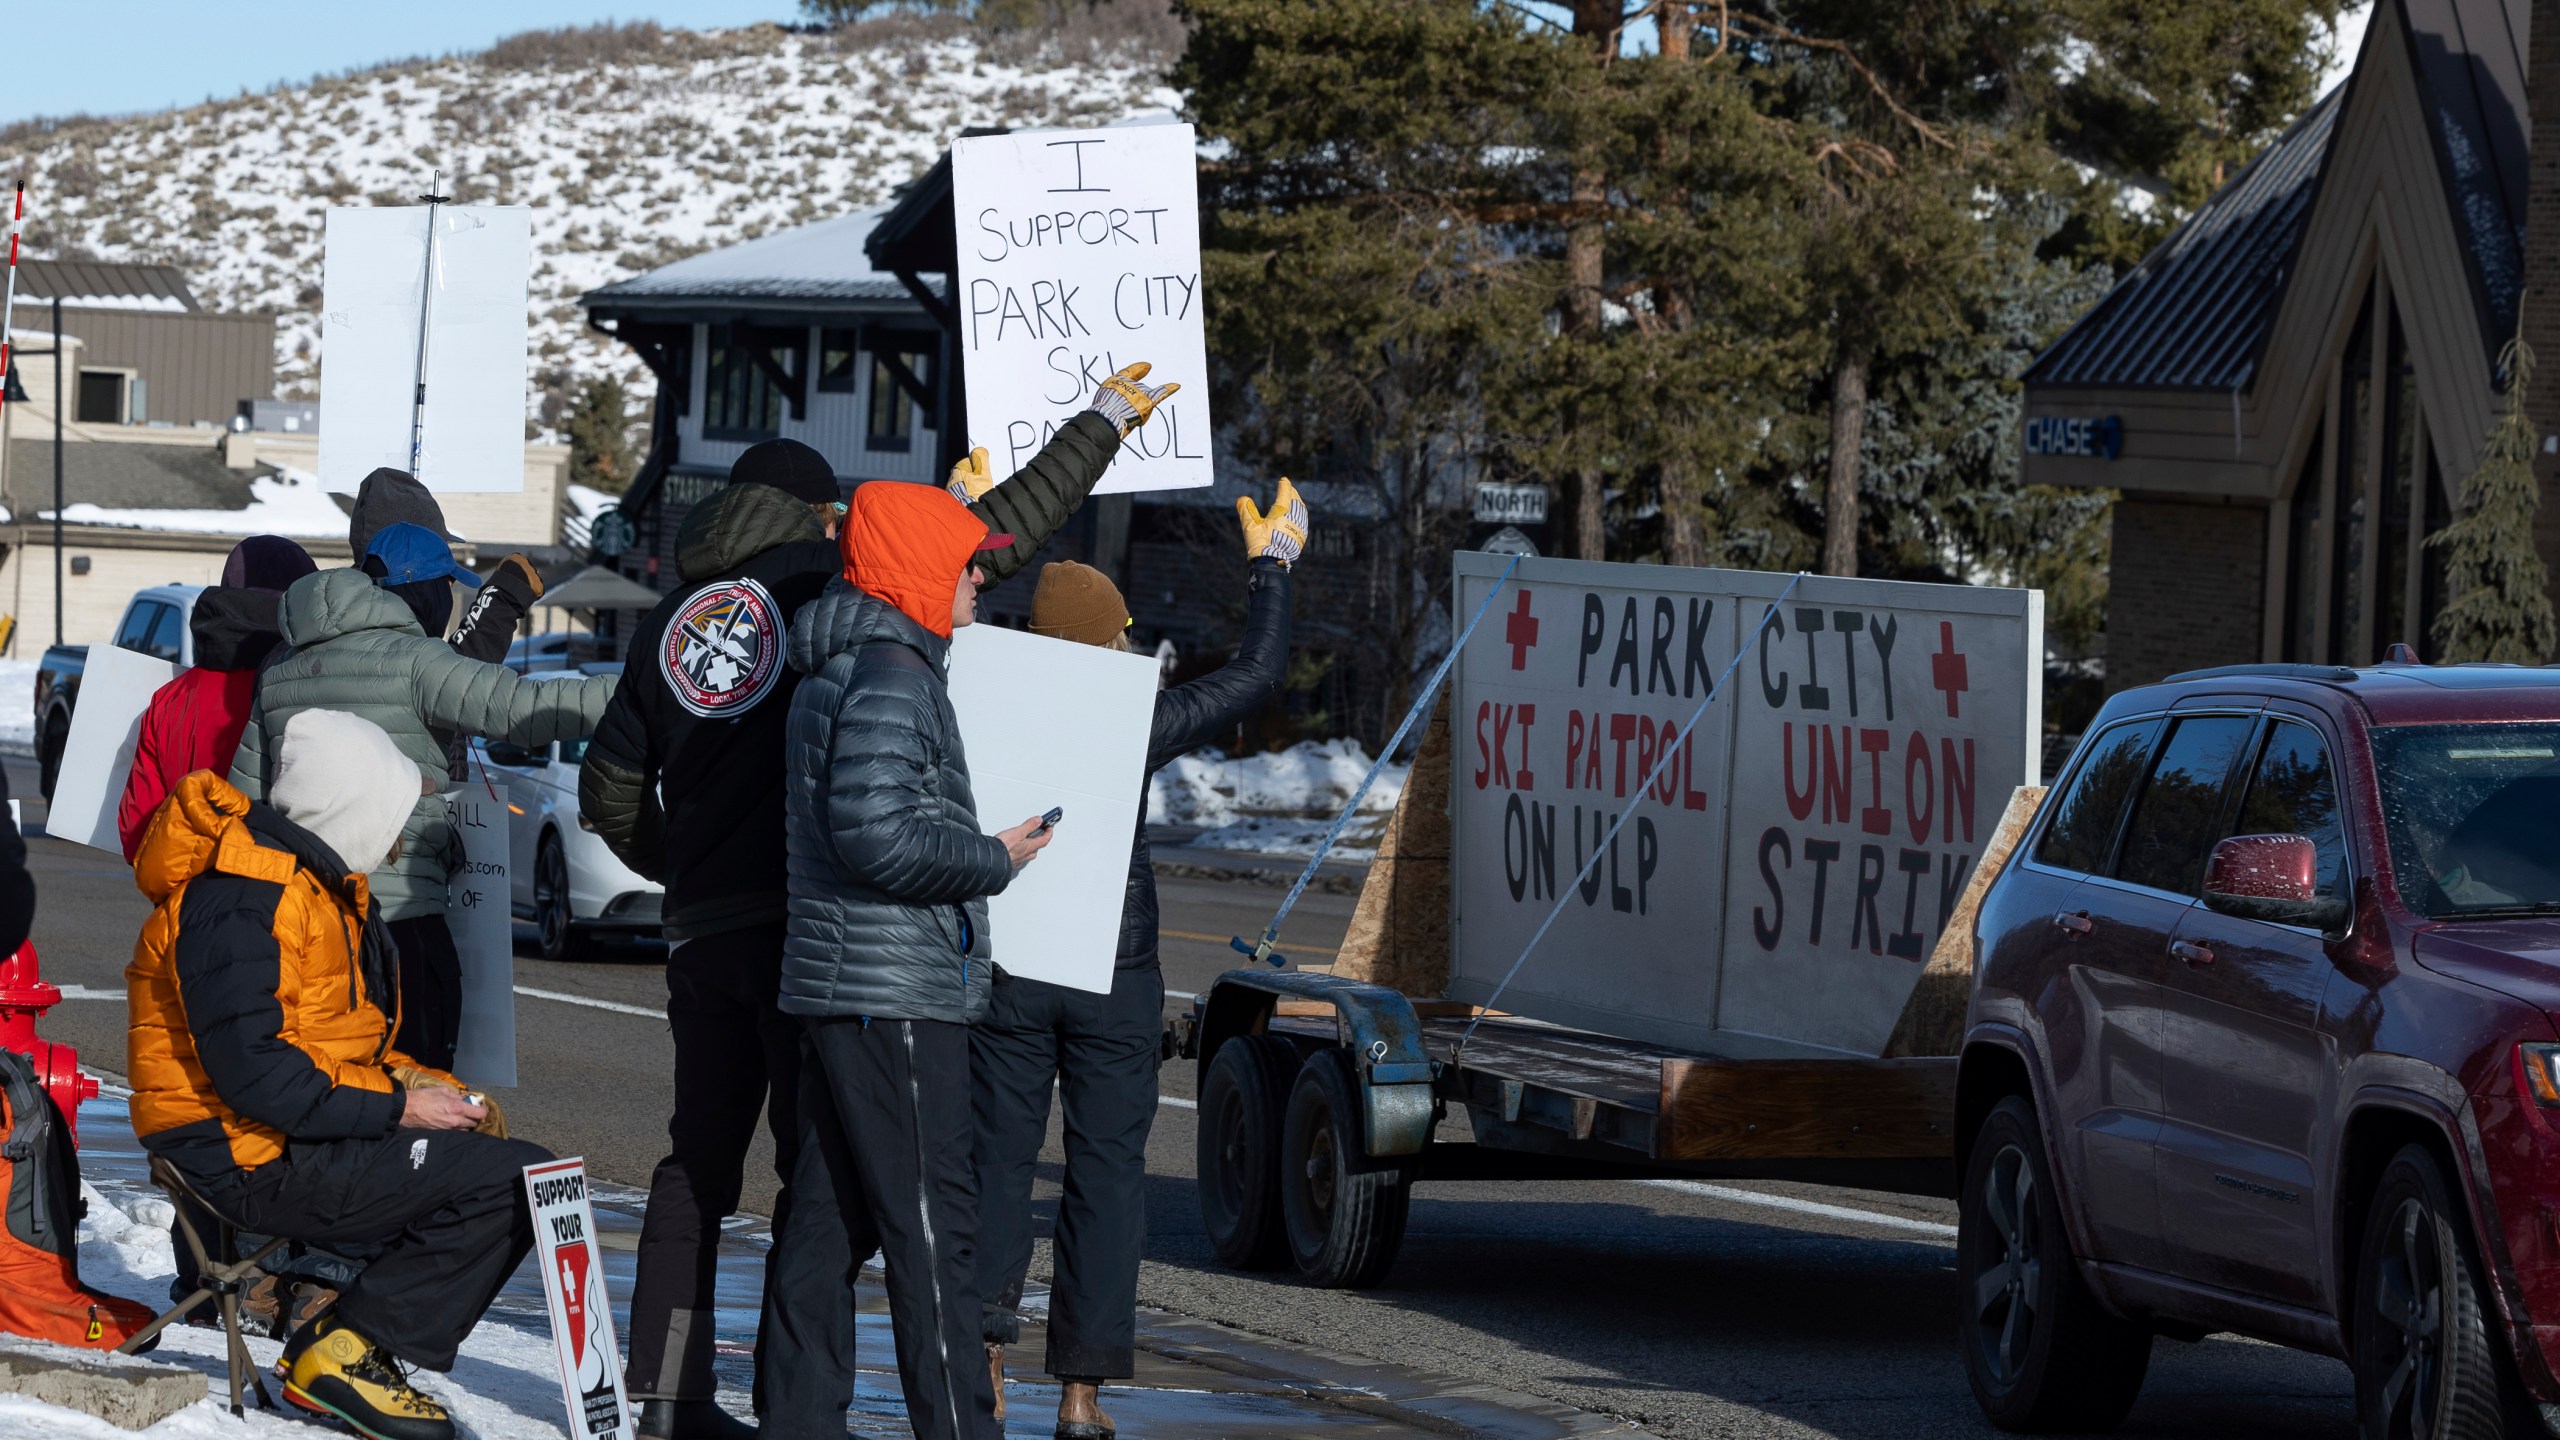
(2097, 437)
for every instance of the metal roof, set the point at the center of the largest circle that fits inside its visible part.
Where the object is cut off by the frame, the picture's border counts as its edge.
(128, 476)
(100, 286)
(2195, 313)
(824, 261)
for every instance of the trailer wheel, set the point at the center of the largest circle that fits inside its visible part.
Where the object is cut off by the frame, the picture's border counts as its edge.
(1242, 1099)
(1346, 1210)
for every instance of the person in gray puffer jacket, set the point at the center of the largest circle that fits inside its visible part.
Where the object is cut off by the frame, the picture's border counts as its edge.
(353, 645)
(885, 961)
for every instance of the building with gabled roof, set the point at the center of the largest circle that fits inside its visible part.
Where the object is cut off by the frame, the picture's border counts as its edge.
(2289, 390)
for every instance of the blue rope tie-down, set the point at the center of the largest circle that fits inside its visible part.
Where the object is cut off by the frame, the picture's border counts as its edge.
(1261, 949)
(1667, 756)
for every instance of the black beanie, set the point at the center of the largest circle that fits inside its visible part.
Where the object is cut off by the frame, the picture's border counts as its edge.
(790, 467)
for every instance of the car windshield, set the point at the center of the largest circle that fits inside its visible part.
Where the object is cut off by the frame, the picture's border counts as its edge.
(2473, 813)
(572, 751)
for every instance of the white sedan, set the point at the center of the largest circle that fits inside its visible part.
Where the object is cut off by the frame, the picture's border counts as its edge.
(565, 884)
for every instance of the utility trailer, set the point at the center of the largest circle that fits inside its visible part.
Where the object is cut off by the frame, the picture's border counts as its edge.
(1767, 980)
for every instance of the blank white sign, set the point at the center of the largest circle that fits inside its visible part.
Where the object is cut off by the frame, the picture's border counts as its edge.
(1080, 253)
(116, 686)
(1047, 723)
(372, 282)
(483, 936)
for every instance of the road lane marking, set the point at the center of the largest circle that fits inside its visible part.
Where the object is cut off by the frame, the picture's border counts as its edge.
(1931, 1228)
(1223, 939)
(84, 992)
(1177, 1102)
(616, 1006)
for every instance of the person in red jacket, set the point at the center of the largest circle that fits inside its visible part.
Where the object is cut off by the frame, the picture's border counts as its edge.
(194, 721)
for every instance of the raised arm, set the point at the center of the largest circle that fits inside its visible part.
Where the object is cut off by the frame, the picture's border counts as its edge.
(1043, 495)
(478, 698)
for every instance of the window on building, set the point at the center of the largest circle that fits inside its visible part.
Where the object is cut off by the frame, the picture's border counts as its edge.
(101, 397)
(893, 411)
(839, 360)
(2359, 574)
(739, 399)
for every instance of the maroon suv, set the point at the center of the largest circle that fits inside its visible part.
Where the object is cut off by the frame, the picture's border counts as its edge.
(2262, 1040)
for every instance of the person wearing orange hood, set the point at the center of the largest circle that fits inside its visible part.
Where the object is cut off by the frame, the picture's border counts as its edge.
(886, 962)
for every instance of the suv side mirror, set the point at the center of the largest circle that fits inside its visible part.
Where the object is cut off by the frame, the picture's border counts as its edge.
(2274, 878)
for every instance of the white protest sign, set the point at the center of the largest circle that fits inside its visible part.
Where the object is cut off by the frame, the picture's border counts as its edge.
(484, 936)
(374, 286)
(116, 686)
(1079, 254)
(1050, 723)
(1779, 890)
(564, 1245)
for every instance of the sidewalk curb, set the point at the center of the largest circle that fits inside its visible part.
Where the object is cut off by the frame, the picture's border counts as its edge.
(1439, 1403)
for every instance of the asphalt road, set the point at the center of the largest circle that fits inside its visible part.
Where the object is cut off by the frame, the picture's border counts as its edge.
(1698, 1311)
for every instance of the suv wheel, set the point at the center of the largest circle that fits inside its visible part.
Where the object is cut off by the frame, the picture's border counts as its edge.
(553, 937)
(2426, 1355)
(57, 738)
(2041, 1352)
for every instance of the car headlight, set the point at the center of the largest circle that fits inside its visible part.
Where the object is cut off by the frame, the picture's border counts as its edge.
(586, 824)
(2541, 1066)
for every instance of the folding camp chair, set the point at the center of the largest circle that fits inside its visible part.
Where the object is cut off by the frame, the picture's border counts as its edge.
(219, 1274)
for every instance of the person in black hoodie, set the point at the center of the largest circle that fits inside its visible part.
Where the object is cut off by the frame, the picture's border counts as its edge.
(1100, 1050)
(684, 782)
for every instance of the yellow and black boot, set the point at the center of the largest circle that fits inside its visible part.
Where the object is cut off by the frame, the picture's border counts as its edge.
(335, 1371)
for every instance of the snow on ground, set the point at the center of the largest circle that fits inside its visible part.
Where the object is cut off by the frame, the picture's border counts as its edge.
(506, 1386)
(18, 704)
(291, 502)
(1280, 803)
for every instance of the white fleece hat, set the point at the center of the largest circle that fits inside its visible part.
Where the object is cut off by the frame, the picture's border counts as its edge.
(341, 778)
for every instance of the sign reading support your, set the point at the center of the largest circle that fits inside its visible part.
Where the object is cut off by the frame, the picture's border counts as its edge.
(1079, 254)
(1783, 881)
(564, 1245)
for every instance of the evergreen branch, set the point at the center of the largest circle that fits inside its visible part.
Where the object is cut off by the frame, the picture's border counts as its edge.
(1875, 83)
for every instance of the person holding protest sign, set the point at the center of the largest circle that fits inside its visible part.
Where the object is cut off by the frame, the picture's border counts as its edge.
(1100, 1051)
(367, 643)
(262, 1000)
(685, 783)
(886, 964)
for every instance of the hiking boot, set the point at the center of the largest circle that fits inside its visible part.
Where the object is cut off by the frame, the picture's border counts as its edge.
(336, 1371)
(690, 1420)
(262, 1306)
(310, 1301)
(1080, 1414)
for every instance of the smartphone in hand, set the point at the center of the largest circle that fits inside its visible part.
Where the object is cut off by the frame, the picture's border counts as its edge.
(1056, 813)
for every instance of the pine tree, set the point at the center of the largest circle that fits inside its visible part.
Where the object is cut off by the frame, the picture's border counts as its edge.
(2501, 604)
(599, 426)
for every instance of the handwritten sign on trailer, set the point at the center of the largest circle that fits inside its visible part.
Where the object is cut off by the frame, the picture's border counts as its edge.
(1080, 253)
(1779, 889)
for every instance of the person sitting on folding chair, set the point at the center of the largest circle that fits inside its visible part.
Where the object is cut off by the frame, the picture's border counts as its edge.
(263, 997)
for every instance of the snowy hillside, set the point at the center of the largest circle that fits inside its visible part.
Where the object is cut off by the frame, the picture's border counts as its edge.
(633, 152)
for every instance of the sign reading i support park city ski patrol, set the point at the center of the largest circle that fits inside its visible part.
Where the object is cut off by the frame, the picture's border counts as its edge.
(1079, 254)
(1782, 883)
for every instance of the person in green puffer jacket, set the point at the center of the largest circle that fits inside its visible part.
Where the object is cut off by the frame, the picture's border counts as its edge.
(354, 645)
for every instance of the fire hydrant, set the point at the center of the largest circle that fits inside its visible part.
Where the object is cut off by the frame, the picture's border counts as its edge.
(24, 995)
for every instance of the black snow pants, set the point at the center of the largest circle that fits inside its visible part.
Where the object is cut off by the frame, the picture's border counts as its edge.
(1101, 1050)
(736, 1056)
(430, 990)
(884, 1166)
(446, 1206)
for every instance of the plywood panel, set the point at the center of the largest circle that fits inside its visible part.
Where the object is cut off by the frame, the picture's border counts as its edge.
(1808, 1109)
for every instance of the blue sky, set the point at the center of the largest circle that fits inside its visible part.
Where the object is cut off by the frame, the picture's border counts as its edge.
(115, 57)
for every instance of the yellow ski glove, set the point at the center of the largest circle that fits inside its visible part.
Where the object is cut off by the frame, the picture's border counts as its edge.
(1280, 534)
(1126, 403)
(971, 478)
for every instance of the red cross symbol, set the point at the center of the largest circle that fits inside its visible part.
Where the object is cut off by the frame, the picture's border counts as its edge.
(1946, 668)
(1520, 631)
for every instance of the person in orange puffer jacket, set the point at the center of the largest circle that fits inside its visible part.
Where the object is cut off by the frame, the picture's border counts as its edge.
(194, 722)
(262, 1000)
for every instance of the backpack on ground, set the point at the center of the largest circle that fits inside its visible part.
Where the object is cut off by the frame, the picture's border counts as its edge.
(40, 1291)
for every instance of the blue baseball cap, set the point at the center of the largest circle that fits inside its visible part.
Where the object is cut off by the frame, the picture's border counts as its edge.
(411, 553)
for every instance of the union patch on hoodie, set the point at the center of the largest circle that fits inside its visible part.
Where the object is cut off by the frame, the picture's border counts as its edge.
(723, 649)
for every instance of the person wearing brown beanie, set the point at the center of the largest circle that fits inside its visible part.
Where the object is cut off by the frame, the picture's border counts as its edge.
(1100, 1050)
